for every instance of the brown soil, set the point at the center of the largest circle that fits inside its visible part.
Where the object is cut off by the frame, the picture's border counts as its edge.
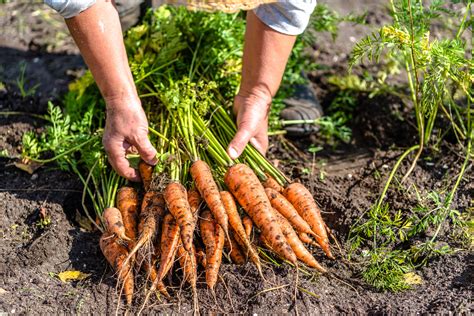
(352, 180)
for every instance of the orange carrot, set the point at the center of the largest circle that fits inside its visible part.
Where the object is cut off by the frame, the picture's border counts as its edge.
(169, 246)
(176, 199)
(152, 211)
(307, 240)
(213, 237)
(300, 250)
(114, 223)
(206, 227)
(238, 228)
(146, 173)
(271, 183)
(250, 194)
(285, 208)
(236, 255)
(187, 261)
(209, 191)
(304, 203)
(214, 261)
(247, 222)
(148, 264)
(200, 256)
(115, 254)
(194, 200)
(127, 203)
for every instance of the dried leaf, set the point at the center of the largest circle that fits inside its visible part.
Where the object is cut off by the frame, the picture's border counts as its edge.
(27, 165)
(72, 275)
(412, 278)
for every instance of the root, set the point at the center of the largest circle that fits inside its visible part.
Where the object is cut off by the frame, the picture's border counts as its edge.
(328, 230)
(295, 298)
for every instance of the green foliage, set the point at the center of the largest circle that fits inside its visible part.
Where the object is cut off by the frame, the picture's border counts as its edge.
(401, 241)
(439, 77)
(435, 67)
(324, 19)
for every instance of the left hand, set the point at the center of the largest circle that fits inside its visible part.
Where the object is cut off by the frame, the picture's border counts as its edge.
(252, 110)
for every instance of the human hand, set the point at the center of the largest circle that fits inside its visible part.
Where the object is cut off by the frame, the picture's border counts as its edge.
(252, 111)
(126, 126)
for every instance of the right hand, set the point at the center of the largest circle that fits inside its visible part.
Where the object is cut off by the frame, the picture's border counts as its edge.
(126, 126)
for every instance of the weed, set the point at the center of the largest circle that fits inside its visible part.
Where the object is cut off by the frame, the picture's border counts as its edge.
(21, 82)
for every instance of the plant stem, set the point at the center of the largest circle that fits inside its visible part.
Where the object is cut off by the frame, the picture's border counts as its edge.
(392, 174)
(67, 152)
(39, 116)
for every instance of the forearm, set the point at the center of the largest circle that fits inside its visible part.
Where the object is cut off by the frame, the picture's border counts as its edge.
(98, 35)
(266, 53)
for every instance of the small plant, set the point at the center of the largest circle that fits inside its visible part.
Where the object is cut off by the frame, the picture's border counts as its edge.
(21, 82)
(439, 80)
(44, 219)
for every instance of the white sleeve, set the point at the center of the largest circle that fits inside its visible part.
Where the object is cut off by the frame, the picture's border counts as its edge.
(69, 8)
(288, 17)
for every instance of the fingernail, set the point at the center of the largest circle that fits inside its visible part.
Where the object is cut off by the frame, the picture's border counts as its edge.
(233, 153)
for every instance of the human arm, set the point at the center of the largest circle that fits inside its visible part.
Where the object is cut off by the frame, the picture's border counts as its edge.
(269, 38)
(98, 35)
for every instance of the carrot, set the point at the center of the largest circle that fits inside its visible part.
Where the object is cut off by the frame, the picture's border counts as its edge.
(200, 256)
(238, 228)
(194, 200)
(214, 261)
(271, 183)
(247, 222)
(300, 250)
(285, 208)
(146, 173)
(127, 203)
(114, 223)
(304, 203)
(250, 194)
(206, 226)
(169, 246)
(148, 263)
(152, 211)
(187, 261)
(307, 240)
(207, 187)
(236, 254)
(115, 254)
(213, 237)
(176, 199)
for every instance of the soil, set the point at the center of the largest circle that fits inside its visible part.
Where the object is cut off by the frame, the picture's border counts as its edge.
(345, 181)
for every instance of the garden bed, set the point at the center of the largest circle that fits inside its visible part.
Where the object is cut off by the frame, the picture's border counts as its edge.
(345, 181)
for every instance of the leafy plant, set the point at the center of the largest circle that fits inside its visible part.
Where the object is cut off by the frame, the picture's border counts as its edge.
(440, 79)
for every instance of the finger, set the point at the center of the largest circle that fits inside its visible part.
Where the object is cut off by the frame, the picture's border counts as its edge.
(116, 157)
(260, 143)
(238, 143)
(146, 150)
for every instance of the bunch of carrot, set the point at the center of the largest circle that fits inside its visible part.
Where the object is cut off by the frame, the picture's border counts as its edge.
(198, 207)
(201, 225)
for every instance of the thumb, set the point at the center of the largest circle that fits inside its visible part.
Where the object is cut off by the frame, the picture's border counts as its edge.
(146, 150)
(238, 143)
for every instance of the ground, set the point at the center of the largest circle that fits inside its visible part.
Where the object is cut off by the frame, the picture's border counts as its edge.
(33, 256)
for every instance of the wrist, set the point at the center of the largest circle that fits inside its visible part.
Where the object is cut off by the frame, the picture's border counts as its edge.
(121, 100)
(256, 94)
